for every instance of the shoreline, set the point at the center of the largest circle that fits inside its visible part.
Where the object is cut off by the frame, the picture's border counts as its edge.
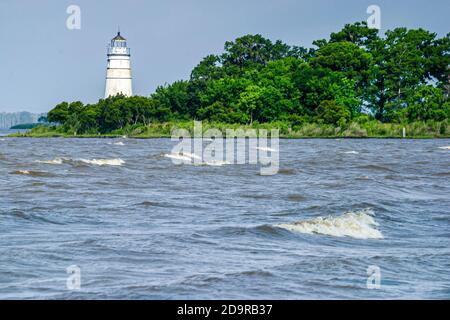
(282, 137)
(158, 130)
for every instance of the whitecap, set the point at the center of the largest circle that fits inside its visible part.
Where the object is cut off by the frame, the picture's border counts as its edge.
(98, 162)
(183, 156)
(54, 161)
(178, 157)
(32, 173)
(445, 148)
(26, 172)
(190, 155)
(358, 225)
(351, 152)
(104, 162)
(120, 143)
(266, 149)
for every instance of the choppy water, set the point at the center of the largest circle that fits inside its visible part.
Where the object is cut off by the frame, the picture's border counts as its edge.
(140, 227)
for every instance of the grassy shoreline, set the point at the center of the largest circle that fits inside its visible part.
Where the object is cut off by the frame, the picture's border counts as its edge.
(367, 130)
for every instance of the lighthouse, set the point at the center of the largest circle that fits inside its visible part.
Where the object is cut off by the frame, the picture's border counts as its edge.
(118, 73)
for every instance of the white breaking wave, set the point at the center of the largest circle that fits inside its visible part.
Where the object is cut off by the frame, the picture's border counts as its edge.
(98, 162)
(445, 148)
(266, 149)
(351, 152)
(358, 225)
(183, 156)
(54, 161)
(120, 143)
(188, 158)
(178, 157)
(190, 155)
(26, 172)
(104, 162)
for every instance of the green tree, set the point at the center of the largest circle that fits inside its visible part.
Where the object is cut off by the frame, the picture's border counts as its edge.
(332, 113)
(428, 103)
(59, 114)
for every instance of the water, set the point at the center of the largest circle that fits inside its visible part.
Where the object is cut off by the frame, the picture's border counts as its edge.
(5, 132)
(144, 228)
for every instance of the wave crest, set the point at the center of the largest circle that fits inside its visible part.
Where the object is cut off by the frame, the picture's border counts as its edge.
(98, 162)
(358, 225)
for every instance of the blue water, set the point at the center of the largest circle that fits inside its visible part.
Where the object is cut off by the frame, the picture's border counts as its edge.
(150, 229)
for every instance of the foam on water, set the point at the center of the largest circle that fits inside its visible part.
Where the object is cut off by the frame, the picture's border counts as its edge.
(178, 157)
(120, 143)
(190, 155)
(358, 225)
(351, 152)
(31, 173)
(445, 148)
(54, 161)
(98, 162)
(188, 158)
(104, 162)
(266, 149)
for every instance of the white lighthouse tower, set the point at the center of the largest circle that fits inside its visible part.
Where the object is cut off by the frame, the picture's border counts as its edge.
(118, 74)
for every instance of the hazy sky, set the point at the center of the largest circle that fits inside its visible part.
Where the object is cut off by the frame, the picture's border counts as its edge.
(43, 63)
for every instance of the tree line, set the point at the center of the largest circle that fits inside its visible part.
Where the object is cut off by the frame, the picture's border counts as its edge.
(355, 75)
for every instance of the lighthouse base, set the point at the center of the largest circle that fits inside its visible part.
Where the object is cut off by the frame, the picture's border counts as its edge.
(118, 86)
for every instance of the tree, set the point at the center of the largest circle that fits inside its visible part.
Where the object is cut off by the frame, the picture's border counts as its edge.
(400, 65)
(59, 114)
(358, 33)
(252, 51)
(332, 113)
(208, 69)
(428, 103)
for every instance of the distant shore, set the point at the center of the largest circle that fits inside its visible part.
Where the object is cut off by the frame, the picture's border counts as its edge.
(371, 129)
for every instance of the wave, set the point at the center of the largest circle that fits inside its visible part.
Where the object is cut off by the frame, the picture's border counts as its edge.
(190, 155)
(178, 157)
(439, 174)
(216, 163)
(120, 143)
(32, 173)
(358, 225)
(296, 197)
(374, 167)
(266, 149)
(351, 152)
(188, 158)
(445, 148)
(54, 161)
(288, 172)
(98, 162)
(104, 162)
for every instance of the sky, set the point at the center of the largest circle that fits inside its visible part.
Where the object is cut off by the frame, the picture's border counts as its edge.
(44, 63)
